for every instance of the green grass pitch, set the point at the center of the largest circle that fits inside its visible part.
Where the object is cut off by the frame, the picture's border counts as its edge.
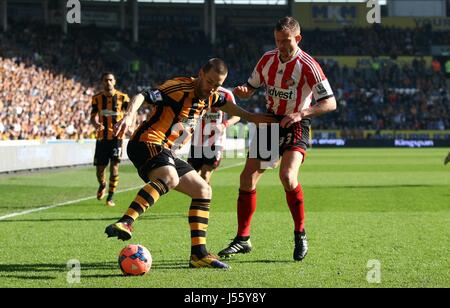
(389, 205)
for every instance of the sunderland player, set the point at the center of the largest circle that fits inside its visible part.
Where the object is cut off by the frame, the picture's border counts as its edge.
(208, 140)
(179, 104)
(290, 77)
(107, 109)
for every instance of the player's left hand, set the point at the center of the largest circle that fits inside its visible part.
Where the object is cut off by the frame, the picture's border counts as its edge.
(290, 119)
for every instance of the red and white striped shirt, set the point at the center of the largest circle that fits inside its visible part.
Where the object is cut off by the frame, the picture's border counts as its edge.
(206, 133)
(290, 85)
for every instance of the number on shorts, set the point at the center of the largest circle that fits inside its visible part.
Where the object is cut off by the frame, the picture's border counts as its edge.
(117, 152)
(289, 138)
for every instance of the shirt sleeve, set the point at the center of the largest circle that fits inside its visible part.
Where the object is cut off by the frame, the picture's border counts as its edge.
(230, 97)
(317, 81)
(256, 80)
(218, 100)
(152, 96)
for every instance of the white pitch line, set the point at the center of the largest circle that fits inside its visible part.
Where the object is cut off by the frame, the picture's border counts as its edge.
(44, 208)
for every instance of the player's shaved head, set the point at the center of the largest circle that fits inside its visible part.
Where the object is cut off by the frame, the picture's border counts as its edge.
(211, 76)
(216, 64)
(288, 23)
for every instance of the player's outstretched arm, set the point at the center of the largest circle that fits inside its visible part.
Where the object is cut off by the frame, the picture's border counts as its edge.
(237, 111)
(121, 127)
(324, 106)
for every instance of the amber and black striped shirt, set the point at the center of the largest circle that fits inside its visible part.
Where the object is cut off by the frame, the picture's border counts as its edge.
(176, 113)
(110, 110)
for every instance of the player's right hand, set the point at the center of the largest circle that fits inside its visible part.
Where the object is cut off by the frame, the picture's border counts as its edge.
(98, 126)
(122, 126)
(243, 92)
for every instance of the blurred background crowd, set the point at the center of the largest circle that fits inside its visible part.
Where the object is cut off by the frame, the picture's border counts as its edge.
(47, 78)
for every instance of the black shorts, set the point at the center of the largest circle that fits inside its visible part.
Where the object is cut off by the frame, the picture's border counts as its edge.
(106, 150)
(201, 156)
(148, 156)
(294, 138)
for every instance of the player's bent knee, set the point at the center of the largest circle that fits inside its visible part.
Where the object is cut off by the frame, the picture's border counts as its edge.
(287, 179)
(201, 192)
(205, 192)
(246, 185)
(247, 182)
(172, 182)
(284, 176)
(101, 169)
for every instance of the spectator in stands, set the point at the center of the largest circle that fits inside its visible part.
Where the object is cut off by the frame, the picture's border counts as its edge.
(436, 65)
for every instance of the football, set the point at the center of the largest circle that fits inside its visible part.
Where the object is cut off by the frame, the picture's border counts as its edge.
(135, 260)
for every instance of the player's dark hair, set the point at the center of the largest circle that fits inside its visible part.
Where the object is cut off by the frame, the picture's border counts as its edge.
(107, 73)
(218, 65)
(287, 23)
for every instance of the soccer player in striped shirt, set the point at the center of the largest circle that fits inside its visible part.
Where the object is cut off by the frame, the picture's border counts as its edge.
(179, 104)
(290, 77)
(108, 107)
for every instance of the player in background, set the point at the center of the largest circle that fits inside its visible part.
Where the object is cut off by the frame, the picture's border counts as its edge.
(179, 105)
(107, 109)
(290, 77)
(209, 137)
(447, 159)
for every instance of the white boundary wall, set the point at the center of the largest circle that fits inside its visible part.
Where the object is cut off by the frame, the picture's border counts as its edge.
(28, 154)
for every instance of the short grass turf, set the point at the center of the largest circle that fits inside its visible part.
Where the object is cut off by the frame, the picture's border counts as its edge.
(387, 205)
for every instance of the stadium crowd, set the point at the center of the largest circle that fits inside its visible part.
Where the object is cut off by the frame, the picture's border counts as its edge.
(47, 79)
(38, 104)
(388, 95)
